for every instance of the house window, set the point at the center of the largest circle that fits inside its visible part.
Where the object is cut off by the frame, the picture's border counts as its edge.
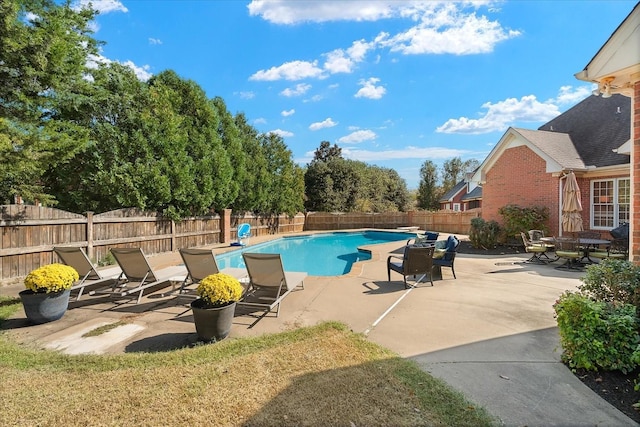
(456, 207)
(474, 204)
(610, 202)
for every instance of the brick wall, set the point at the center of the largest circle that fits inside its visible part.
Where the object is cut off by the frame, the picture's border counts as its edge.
(532, 185)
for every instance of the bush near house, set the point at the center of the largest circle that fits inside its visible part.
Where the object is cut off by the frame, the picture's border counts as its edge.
(517, 219)
(598, 324)
(484, 234)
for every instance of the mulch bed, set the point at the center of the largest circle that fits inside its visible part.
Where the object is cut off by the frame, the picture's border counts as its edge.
(613, 386)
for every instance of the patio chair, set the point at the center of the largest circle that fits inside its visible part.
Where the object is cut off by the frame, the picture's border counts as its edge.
(537, 250)
(569, 249)
(137, 275)
(449, 257)
(201, 263)
(618, 249)
(416, 260)
(76, 257)
(535, 236)
(269, 284)
(243, 234)
(427, 237)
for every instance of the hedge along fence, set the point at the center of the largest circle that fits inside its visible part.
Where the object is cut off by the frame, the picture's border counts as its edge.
(29, 233)
(441, 221)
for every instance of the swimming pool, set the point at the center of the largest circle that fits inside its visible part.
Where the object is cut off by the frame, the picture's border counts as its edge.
(325, 254)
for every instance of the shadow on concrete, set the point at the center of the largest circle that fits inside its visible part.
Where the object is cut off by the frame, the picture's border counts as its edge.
(162, 343)
(380, 287)
(521, 379)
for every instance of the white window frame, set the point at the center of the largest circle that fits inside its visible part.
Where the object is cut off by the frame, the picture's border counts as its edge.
(615, 202)
(456, 207)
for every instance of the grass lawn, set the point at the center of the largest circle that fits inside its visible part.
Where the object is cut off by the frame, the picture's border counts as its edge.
(316, 376)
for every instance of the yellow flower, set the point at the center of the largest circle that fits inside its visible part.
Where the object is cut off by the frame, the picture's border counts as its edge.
(219, 289)
(51, 278)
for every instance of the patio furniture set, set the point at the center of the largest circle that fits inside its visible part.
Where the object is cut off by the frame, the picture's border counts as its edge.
(583, 249)
(423, 258)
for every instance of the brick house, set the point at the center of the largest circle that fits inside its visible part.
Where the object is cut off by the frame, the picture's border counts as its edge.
(465, 195)
(527, 167)
(615, 68)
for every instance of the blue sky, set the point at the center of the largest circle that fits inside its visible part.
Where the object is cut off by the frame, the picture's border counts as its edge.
(393, 83)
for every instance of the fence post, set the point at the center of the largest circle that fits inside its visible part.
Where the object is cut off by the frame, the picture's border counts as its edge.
(173, 235)
(225, 226)
(90, 251)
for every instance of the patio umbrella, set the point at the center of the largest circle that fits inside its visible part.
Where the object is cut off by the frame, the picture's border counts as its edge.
(571, 205)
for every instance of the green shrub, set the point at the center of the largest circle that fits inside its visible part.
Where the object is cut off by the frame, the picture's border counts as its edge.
(517, 219)
(613, 280)
(484, 234)
(597, 334)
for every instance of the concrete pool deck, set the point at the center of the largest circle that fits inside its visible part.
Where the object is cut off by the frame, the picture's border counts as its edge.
(490, 333)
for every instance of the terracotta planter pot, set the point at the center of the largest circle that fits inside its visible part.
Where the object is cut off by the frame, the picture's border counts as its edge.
(44, 307)
(212, 323)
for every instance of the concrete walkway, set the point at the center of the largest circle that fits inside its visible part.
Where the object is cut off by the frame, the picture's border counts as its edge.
(490, 333)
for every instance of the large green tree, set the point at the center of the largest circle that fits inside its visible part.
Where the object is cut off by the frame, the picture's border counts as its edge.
(428, 190)
(286, 189)
(44, 49)
(333, 183)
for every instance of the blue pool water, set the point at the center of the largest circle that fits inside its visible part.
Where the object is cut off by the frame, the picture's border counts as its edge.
(326, 254)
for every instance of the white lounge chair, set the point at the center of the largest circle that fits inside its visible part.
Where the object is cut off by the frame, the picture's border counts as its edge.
(200, 263)
(137, 275)
(269, 284)
(89, 276)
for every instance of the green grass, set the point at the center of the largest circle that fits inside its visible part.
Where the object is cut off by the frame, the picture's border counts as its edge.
(315, 376)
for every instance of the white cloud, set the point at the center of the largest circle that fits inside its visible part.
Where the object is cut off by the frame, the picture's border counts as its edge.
(503, 114)
(246, 94)
(294, 70)
(281, 133)
(299, 89)
(403, 153)
(437, 27)
(568, 95)
(327, 123)
(102, 6)
(288, 113)
(314, 98)
(154, 41)
(448, 30)
(344, 61)
(370, 90)
(293, 12)
(260, 121)
(358, 136)
(141, 72)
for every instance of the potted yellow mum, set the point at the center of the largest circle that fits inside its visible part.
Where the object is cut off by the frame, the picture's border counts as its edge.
(213, 311)
(47, 295)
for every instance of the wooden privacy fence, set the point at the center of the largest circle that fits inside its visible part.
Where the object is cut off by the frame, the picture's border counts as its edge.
(29, 233)
(442, 221)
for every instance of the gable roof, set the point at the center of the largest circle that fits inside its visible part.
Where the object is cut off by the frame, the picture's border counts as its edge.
(556, 146)
(617, 62)
(449, 195)
(596, 126)
(475, 194)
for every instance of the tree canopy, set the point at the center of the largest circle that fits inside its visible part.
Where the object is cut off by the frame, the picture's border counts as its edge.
(86, 134)
(336, 184)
